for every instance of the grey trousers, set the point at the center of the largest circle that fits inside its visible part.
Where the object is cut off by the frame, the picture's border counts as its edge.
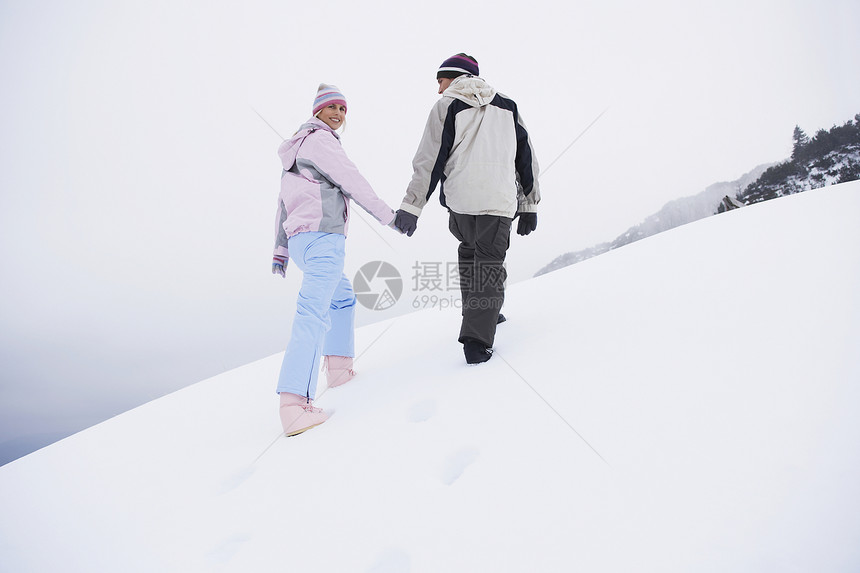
(484, 241)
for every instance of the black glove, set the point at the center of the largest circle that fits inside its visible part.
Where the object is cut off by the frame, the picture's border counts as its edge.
(405, 222)
(527, 224)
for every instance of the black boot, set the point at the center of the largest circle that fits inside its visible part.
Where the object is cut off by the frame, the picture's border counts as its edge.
(476, 352)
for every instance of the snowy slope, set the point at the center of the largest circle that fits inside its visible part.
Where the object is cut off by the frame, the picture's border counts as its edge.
(673, 214)
(686, 403)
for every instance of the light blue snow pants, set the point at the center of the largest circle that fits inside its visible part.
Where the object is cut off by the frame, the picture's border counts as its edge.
(325, 311)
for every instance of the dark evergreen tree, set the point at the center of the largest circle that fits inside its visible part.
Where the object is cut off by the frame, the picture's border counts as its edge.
(849, 173)
(829, 154)
(801, 141)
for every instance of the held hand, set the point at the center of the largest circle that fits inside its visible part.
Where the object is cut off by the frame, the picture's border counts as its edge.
(527, 224)
(279, 266)
(406, 222)
(393, 225)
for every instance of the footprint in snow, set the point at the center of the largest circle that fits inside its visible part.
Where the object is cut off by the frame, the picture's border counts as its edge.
(236, 480)
(392, 560)
(227, 549)
(422, 411)
(457, 463)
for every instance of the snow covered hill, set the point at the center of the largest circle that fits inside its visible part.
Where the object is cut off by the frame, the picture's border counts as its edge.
(673, 214)
(686, 403)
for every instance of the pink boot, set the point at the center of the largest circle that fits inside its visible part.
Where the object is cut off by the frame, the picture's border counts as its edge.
(338, 370)
(298, 415)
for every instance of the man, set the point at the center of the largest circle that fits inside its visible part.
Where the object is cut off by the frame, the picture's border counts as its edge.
(476, 146)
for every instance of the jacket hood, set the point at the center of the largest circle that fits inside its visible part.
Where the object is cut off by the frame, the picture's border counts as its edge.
(471, 90)
(289, 149)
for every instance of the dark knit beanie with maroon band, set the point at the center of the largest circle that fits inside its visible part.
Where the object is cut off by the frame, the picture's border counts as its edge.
(457, 66)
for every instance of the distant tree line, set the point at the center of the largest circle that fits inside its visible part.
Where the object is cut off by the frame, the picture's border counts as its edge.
(829, 157)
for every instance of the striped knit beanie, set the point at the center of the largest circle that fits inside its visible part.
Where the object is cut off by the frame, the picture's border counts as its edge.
(458, 65)
(327, 95)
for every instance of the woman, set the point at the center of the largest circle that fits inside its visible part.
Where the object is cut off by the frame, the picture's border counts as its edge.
(313, 215)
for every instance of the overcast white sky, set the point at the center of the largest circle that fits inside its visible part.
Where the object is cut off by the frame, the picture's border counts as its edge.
(137, 182)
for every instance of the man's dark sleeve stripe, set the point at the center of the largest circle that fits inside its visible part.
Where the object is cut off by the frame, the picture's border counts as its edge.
(447, 143)
(523, 159)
